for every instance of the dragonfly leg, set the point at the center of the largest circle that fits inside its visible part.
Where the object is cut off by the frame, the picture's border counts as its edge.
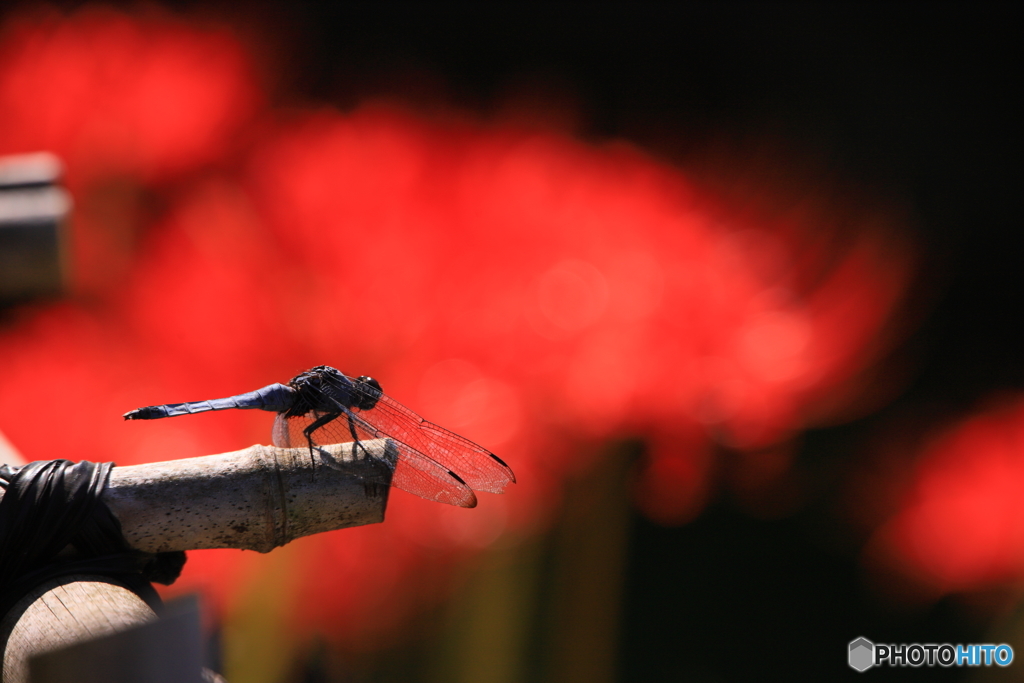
(317, 424)
(352, 430)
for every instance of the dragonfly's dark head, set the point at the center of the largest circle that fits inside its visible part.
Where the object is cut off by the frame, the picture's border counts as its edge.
(367, 392)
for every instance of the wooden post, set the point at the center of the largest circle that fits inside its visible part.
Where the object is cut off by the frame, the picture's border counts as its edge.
(33, 215)
(65, 611)
(255, 499)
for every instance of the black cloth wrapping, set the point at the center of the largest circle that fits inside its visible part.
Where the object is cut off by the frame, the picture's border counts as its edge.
(51, 504)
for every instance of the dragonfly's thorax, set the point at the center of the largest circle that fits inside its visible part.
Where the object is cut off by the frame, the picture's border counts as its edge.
(323, 389)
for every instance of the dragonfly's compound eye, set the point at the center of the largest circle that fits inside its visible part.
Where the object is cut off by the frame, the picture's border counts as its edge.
(368, 392)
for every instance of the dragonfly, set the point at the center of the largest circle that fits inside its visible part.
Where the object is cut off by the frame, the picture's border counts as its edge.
(324, 406)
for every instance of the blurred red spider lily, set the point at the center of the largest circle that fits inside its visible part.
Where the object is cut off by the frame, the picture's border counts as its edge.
(524, 289)
(113, 94)
(959, 526)
(126, 102)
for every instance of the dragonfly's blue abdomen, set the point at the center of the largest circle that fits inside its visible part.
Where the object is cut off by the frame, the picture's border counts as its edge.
(274, 397)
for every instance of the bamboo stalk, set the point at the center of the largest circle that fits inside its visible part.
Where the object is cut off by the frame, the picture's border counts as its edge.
(257, 499)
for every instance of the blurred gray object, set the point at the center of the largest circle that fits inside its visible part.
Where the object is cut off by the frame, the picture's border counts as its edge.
(165, 650)
(33, 214)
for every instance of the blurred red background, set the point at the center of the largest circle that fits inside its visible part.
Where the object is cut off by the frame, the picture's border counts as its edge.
(538, 293)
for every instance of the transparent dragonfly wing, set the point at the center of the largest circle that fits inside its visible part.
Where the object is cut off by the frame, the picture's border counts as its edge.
(478, 467)
(280, 436)
(414, 472)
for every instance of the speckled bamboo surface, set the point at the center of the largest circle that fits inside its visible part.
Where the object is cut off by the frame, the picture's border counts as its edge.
(258, 498)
